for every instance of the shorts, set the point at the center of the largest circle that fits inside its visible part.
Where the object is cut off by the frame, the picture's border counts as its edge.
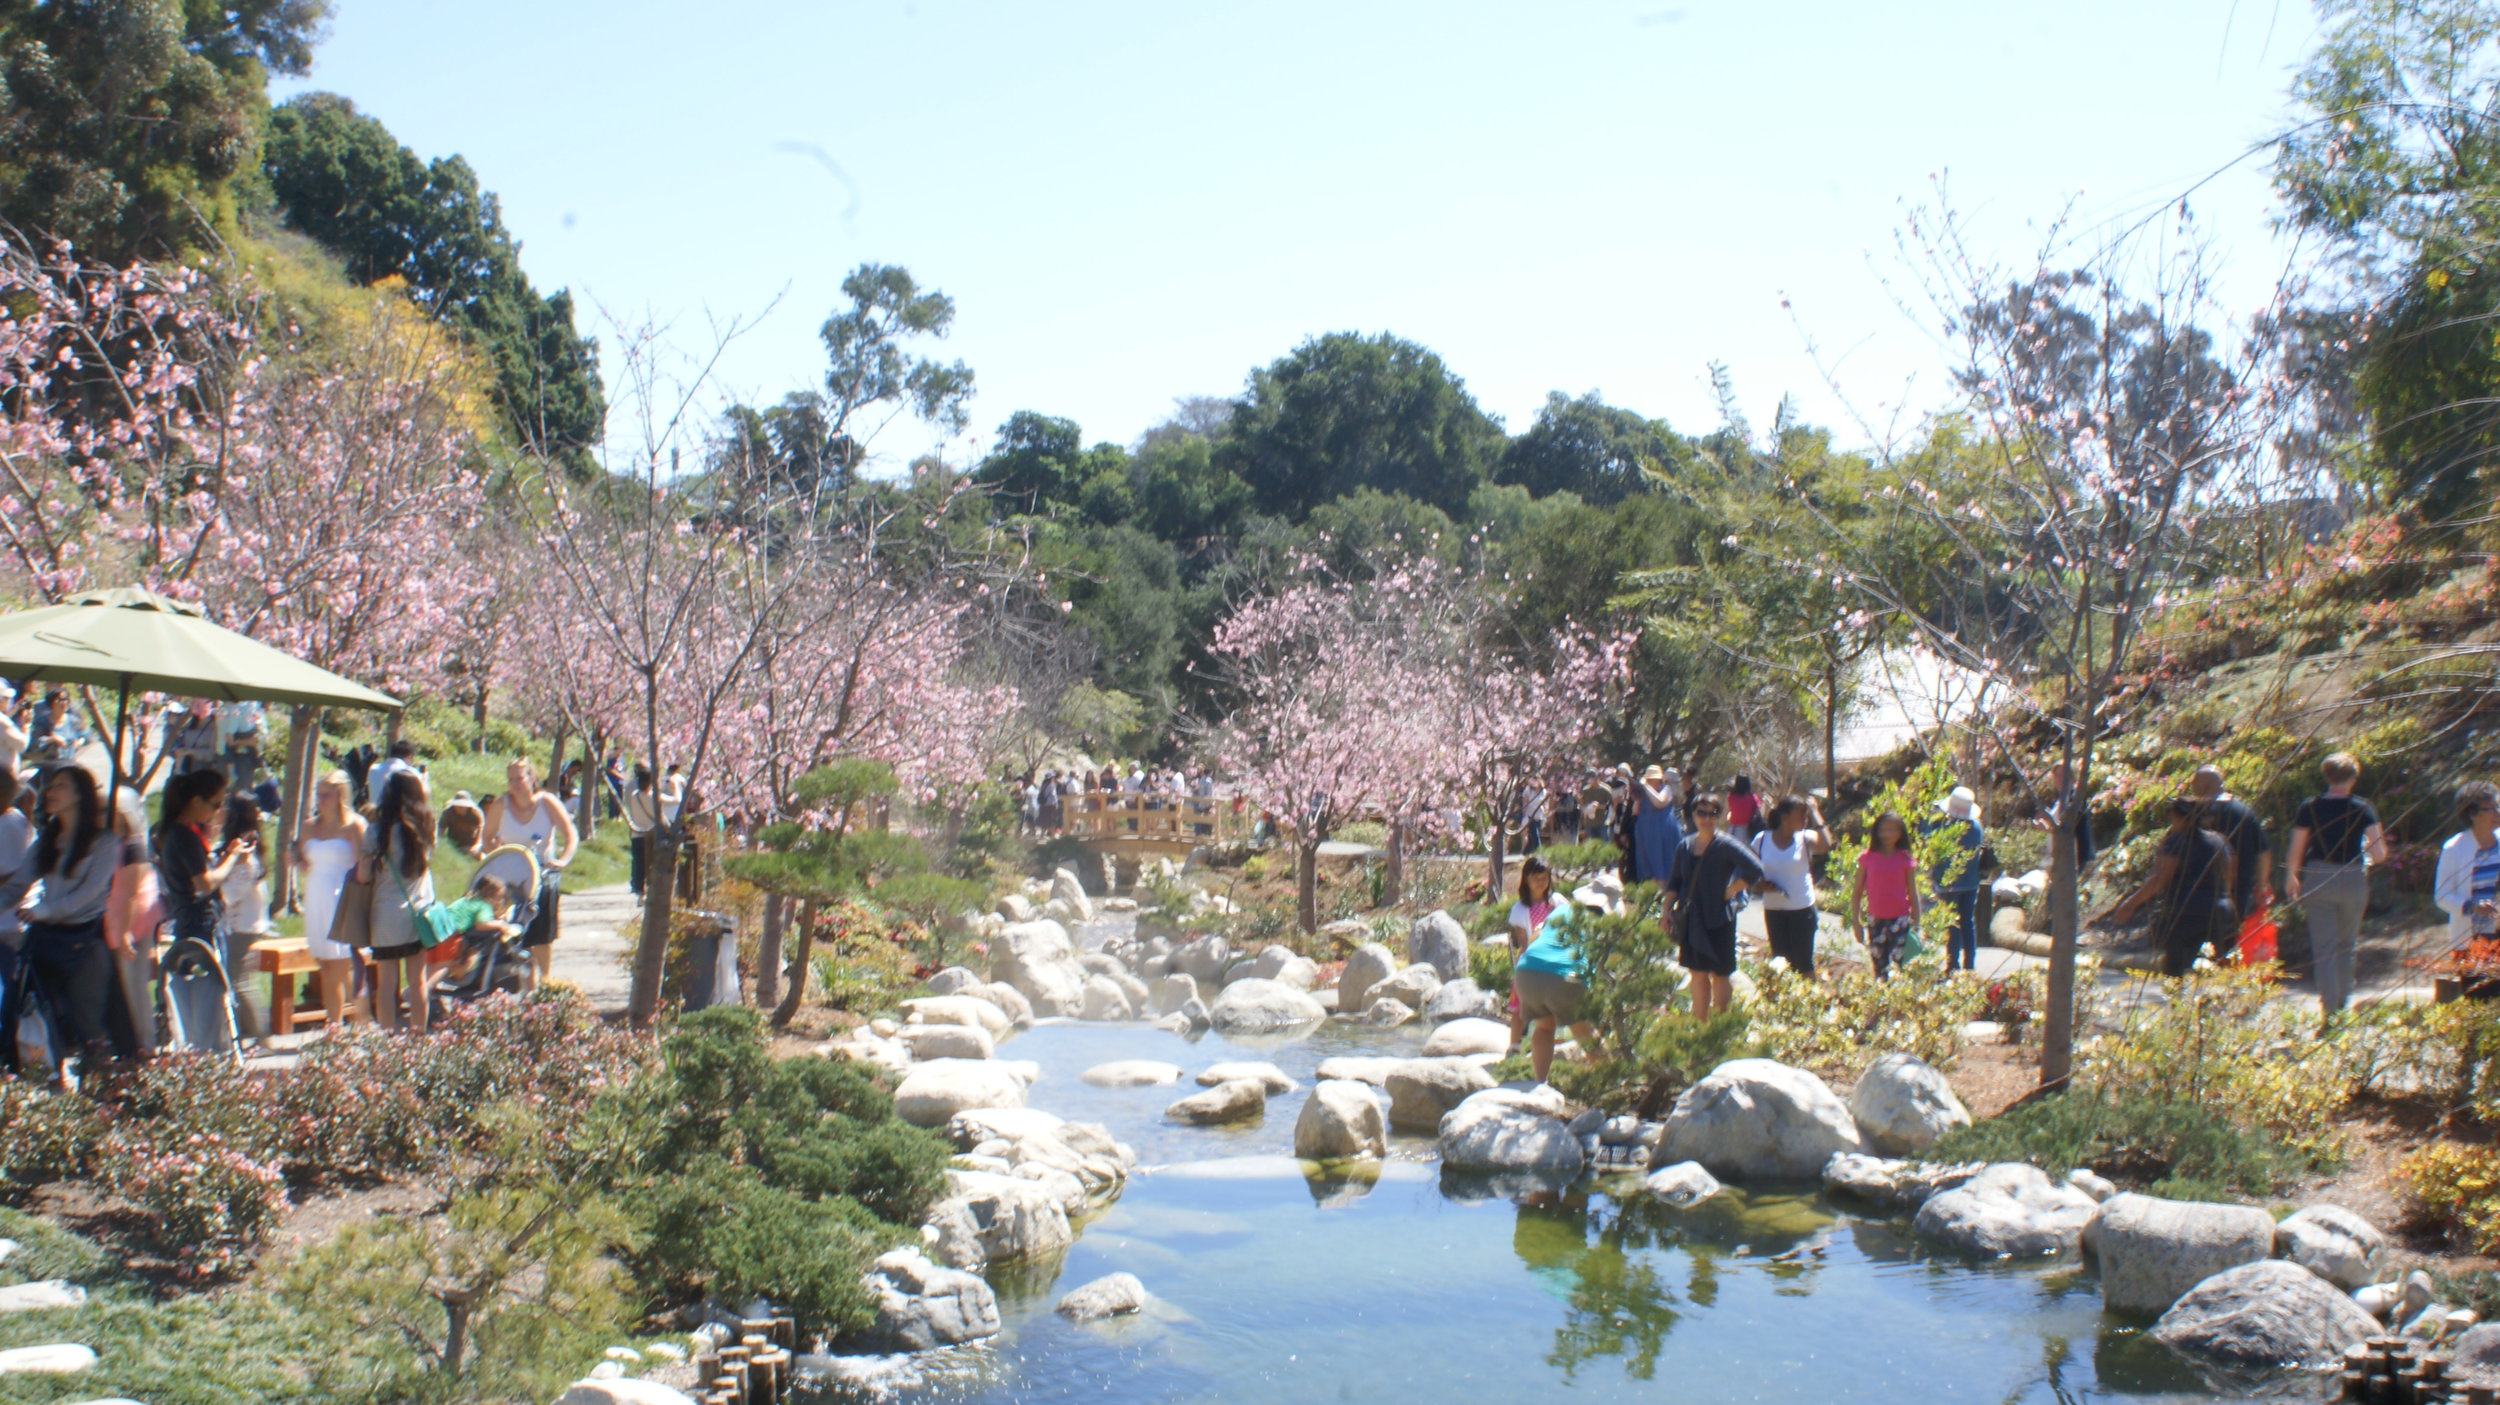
(543, 923)
(1547, 995)
(1709, 950)
(410, 952)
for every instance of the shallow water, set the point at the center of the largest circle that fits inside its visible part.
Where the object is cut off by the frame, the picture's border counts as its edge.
(1394, 1286)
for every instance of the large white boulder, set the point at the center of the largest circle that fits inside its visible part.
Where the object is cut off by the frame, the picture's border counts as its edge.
(1254, 1005)
(1423, 1091)
(1411, 986)
(1237, 1101)
(1759, 1118)
(1015, 1216)
(1007, 998)
(1064, 888)
(1341, 1121)
(1387, 1013)
(1205, 959)
(1015, 907)
(1902, 1105)
(1174, 991)
(2267, 1313)
(1266, 1075)
(956, 980)
(1276, 962)
(1438, 941)
(1131, 1073)
(2333, 1243)
(1891, 1184)
(1460, 1000)
(975, 1125)
(1053, 988)
(1040, 942)
(1361, 1068)
(1370, 964)
(935, 1091)
(923, 1305)
(947, 1041)
(1683, 1185)
(958, 1009)
(1488, 1132)
(2009, 1209)
(596, 1391)
(2150, 1250)
(1468, 1036)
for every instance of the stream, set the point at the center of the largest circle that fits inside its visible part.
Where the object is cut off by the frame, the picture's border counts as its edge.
(1271, 1283)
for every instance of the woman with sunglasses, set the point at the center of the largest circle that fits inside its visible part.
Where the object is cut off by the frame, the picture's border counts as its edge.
(1708, 871)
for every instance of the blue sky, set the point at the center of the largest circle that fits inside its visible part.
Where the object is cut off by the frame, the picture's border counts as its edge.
(1132, 202)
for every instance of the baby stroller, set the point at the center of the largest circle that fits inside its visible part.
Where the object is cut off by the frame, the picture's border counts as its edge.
(481, 963)
(199, 998)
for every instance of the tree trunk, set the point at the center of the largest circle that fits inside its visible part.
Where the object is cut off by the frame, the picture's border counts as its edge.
(477, 713)
(1495, 840)
(1831, 727)
(586, 806)
(390, 729)
(789, 1008)
(455, 1334)
(303, 743)
(1306, 884)
(555, 760)
(659, 896)
(1393, 869)
(2057, 1026)
(768, 955)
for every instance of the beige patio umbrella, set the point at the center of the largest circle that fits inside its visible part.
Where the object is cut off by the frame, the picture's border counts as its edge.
(133, 640)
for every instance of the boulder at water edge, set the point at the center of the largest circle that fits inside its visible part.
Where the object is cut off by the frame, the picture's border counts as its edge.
(1387, 1013)
(1423, 1091)
(1370, 964)
(958, 1009)
(1014, 1217)
(922, 1305)
(2150, 1251)
(2267, 1313)
(594, 1391)
(1205, 959)
(1468, 1036)
(1893, 1185)
(1901, 1106)
(1174, 991)
(1266, 1075)
(1237, 1101)
(1276, 962)
(2006, 1210)
(1489, 1132)
(1364, 1068)
(1007, 998)
(1131, 1073)
(1111, 1295)
(1065, 888)
(950, 1236)
(2333, 1243)
(1459, 1000)
(935, 1091)
(1683, 1185)
(1255, 1005)
(1411, 987)
(1015, 907)
(947, 1041)
(2475, 1358)
(1761, 1118)
(1436, 940)
(1341, 1121)
(955, 980)
(1104, 1001)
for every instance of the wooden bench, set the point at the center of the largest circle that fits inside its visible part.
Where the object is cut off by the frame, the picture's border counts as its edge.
(282, 960)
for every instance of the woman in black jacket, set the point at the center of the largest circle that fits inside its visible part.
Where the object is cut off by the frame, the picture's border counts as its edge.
(1710, 869)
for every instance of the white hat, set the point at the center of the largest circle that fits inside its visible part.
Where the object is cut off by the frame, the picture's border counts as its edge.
(1961, 804)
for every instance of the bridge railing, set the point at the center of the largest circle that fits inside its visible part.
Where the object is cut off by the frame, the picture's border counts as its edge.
(1168, 819)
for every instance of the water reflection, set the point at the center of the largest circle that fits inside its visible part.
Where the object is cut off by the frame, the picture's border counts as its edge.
(1626, 1270)
(1338, 1184)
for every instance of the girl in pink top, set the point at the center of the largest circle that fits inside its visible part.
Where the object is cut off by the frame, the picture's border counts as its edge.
(1883, 893)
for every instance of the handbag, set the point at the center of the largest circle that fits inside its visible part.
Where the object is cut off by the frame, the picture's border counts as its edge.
(432, 924)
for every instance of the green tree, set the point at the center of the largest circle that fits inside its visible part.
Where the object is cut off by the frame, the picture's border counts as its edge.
(1344, 412)
(1585, 446)
(2399, 166)
(127, 123)
(340, 177)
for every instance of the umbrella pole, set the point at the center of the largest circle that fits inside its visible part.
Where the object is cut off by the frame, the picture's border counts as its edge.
(121, 729)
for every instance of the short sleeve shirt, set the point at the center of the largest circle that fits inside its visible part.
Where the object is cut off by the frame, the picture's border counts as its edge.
(2198, 881)
(2336, 825)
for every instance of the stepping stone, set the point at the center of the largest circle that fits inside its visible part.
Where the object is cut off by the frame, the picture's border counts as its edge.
(58, 1359)
(7, 1247)
(34, 1297)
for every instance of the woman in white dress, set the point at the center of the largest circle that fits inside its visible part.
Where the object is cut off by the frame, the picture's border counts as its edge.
(325, 853)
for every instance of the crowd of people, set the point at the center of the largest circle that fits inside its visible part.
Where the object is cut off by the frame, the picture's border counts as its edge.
(1046, 798)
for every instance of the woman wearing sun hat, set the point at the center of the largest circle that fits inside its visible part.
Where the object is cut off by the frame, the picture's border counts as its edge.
(1655, 829)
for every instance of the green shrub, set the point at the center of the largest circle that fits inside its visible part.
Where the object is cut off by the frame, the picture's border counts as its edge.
(2166, 1145)
(724, 1230)
(210, 1202)
(49, 1136)
(1489, 966)
(2222, 1043)
(1843, 1023)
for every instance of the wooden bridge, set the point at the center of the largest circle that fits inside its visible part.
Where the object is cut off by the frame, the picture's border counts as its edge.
(1130, 829)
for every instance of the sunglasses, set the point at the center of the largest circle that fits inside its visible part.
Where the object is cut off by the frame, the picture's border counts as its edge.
(1708, 810)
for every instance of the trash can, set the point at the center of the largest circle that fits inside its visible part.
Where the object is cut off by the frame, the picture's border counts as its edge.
(711, 959)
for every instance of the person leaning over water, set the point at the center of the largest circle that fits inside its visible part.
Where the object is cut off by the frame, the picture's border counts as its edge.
(1707, 872)
(1546, 975)
(2193, 871)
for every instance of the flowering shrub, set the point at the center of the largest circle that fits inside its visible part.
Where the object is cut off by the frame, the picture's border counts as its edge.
(1844, 1024)
(2461, 1186)
(2219, 1044)
(211, 1200)
(184, 1096)
(49, 1135)
(2441, 1053)
(2012, 999)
